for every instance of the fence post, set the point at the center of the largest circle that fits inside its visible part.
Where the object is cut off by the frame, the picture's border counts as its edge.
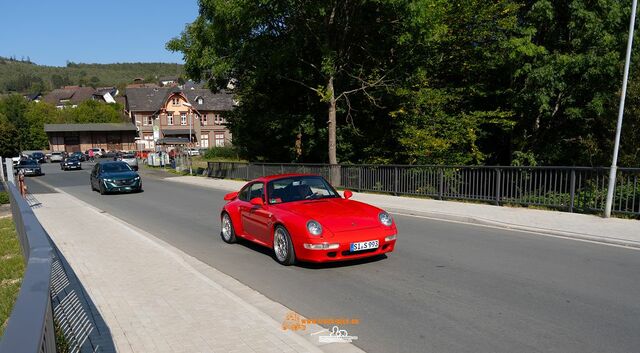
(359, 178)
(498, 182)
(573, 189)
(395, 181)
(248, 167)
(9, 165)
(281, 168)
(263, 172)
(440, 182)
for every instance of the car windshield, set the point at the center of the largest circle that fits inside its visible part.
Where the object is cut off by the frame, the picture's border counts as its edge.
(28, 162)
(56, 153)
(115, 167)
(37, 154)
(299, 188)
(128, 156)
(72, 159)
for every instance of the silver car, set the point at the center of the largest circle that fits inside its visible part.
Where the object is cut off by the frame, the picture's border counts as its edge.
(131, 160)
(56, 157)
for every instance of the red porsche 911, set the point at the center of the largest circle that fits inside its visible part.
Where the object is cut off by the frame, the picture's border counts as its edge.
(302, 217)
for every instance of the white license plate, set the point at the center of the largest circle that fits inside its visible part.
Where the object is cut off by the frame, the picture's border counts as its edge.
(364, 245)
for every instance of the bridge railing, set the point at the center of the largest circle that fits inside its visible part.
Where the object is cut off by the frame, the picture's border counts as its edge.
(573, 189)
(30, 326)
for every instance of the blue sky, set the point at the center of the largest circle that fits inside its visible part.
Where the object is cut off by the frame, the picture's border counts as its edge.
(51, 32)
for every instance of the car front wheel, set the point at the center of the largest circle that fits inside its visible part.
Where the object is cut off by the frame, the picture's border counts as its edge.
(283, 247)
(227, 233)
(101, 189)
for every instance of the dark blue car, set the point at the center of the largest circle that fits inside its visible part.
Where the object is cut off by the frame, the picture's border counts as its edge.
(115, 177)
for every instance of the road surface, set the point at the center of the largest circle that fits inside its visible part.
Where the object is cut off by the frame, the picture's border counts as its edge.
(448, 287)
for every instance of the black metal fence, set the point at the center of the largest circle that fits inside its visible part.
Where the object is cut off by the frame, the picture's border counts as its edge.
(573, 189)
(30, 326)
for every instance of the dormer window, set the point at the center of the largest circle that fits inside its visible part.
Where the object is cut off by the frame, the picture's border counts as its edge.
(175, 101)
(200, 100)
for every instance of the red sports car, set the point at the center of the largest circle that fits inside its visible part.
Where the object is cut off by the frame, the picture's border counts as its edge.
(302, 217)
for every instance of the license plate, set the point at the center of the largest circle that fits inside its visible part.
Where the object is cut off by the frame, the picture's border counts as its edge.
(364, 245)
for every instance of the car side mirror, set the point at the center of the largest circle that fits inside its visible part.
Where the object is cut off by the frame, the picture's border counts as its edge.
(230, 196)
(257, 201)
(347, 194)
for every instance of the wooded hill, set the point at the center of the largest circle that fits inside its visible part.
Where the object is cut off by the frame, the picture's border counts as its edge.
(24, 76)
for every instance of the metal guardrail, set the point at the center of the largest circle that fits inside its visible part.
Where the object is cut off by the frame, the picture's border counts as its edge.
(30, 326)
(573, 189)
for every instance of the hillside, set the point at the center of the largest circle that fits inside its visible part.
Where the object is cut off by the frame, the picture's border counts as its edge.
(25, 76)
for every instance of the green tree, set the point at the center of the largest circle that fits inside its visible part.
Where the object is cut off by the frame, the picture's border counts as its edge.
(333, 50)
(8, 143)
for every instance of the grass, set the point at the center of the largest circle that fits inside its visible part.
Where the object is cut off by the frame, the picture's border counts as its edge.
(11, 269)
(4, 197)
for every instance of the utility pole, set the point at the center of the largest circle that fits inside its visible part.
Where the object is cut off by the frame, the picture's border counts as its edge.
(614, 161)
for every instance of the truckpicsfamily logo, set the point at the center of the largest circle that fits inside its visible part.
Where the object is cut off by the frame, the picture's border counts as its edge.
(295, 322)
(337, 335)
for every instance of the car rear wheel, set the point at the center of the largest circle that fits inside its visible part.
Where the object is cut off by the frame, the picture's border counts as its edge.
(227, 233)
(282, 247)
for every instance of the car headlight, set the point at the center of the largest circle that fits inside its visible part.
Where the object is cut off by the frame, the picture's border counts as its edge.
(108, 180)
(136, 178)
(385, 218)
(314, 228)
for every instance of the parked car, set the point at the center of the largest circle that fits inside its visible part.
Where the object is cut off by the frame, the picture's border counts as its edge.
(97, 152)
(39, 156)
(130, 159)
(71, 163)
(114, 176)
(29, 167)
(302, 217)
(57, 157)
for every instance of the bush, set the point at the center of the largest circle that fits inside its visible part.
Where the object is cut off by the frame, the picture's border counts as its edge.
(221, 152)
(4, 197)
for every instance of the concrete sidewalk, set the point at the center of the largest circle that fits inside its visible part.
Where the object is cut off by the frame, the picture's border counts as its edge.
(155, 298)
(616, 231)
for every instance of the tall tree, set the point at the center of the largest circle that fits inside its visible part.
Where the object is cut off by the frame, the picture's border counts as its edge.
(333, 49)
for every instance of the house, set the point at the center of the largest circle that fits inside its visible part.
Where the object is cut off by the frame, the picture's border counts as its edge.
(81, 137)
(69, 96)
(196, 114)
(108, 94)
(168, 81)
(74, 95)
(33, 97)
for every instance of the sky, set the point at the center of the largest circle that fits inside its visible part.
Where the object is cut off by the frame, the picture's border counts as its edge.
(52, 32)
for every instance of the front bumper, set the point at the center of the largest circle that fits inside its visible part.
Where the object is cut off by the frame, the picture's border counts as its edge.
(128, 185)
(72, 166)
(386, 243)
(32, 171)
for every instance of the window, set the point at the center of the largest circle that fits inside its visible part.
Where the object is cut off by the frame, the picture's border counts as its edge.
(216, 119)
(169, 118)
(299, 188)
(145, 121)
(150, 119)
(205, 119)
(256, 190)
(200, 101)
(183, 118)
(204, 141)
(244, 193)
(219, 137)
(175, 101)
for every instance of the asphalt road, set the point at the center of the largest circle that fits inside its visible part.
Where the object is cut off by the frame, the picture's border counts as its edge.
(448, 287)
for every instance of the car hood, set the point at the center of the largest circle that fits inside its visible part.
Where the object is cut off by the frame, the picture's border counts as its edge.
(336, 214)
(119, 175)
